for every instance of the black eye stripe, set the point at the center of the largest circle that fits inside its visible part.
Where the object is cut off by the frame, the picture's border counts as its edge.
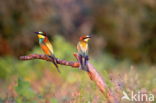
(86, 38)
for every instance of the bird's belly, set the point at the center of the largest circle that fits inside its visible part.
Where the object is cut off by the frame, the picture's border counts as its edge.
(84, 50)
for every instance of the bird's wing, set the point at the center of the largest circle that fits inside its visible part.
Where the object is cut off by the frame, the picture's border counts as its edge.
(50, 47)
(78, 48)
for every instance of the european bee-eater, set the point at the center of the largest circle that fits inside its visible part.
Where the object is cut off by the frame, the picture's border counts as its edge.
(47, 47)
(82, 48)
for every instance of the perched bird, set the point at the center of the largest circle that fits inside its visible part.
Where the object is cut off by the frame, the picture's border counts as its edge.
(82, 48)
(47, 47)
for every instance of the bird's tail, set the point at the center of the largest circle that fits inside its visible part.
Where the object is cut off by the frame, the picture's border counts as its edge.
(55, 62)
(83, 62)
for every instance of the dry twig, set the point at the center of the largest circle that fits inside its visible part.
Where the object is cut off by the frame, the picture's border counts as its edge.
(93, 74)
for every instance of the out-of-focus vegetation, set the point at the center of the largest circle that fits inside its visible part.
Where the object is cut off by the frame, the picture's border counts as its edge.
(126, 27)
(122, 48)
(37, 81)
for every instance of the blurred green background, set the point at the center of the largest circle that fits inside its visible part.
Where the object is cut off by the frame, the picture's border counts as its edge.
(122, 48)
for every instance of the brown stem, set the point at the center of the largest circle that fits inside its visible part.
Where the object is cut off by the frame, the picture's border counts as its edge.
(93, 74)
(45, 57)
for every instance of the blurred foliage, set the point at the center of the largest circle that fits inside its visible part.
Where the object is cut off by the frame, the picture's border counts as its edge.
(23, 68)
(126, 26)
(38, 81)
(64, 49)
(25, 93)
(129, 28)
(123, 35)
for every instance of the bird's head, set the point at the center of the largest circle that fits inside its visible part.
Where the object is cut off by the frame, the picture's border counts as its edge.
(85, 38)
(41, 35)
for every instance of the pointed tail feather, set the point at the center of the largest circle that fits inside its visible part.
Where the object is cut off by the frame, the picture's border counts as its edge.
(83, 62)
(55, 62)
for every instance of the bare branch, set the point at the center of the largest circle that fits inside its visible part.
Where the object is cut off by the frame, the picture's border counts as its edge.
(45, 57)
(93, 74)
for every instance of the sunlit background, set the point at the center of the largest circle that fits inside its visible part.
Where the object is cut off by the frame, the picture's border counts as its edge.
(122, 49)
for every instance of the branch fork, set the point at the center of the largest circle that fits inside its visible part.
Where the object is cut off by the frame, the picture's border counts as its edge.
(93, 74)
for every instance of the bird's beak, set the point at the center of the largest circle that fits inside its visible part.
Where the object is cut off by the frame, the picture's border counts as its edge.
(36, 32)
(88, 36)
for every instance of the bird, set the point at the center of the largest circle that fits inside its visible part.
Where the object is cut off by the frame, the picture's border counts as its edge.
(47, 47)
(82, 48)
